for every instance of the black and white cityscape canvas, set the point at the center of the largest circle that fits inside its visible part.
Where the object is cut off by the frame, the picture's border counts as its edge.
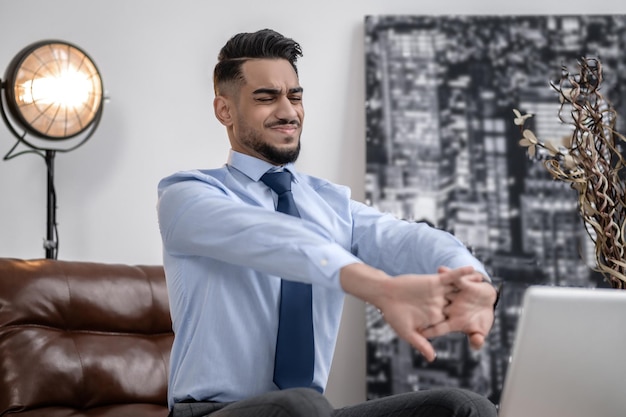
(442, 148)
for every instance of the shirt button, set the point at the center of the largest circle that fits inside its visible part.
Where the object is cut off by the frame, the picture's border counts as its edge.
(324, 262)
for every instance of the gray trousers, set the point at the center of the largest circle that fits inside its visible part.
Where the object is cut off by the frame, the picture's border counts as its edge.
(304, 402)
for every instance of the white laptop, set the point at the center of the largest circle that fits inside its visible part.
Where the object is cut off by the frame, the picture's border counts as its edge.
(569, 355)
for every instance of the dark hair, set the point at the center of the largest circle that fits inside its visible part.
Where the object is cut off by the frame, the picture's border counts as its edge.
(264, 43)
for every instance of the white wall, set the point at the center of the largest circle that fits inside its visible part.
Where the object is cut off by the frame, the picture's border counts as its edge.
(156, 59)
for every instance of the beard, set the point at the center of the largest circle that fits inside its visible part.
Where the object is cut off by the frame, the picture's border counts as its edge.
(278, 156)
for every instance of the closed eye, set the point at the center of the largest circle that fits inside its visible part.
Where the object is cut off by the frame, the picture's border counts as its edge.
(268, 95)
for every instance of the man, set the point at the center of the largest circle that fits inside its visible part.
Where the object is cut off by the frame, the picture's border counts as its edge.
(245, 259)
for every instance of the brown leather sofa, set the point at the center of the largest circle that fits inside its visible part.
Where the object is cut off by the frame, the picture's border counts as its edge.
(83, 339)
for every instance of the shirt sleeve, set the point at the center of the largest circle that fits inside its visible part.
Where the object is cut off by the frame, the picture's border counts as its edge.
(401, 247)
(204, 218)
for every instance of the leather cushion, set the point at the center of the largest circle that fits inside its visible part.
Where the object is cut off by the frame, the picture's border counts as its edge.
(80, 335)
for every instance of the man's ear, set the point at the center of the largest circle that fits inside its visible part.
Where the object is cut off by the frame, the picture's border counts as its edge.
(222, 108)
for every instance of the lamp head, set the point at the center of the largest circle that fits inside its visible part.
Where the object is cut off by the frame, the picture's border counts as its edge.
(53, 90)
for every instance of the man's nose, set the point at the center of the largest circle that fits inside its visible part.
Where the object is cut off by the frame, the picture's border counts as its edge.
(286, 110)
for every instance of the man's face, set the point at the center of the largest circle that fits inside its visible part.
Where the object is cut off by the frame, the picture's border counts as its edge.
(268, 112)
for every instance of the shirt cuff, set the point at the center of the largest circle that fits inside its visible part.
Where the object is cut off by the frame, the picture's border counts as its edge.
(325, 263)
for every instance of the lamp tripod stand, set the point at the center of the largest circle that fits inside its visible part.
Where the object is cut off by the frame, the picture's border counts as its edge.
(53, 92)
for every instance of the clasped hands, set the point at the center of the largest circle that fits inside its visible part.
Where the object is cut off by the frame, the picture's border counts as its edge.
(421, 307)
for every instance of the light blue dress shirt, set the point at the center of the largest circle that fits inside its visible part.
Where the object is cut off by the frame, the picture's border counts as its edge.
(225, 249)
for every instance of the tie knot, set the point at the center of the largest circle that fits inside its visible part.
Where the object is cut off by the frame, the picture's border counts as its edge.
(279, 182)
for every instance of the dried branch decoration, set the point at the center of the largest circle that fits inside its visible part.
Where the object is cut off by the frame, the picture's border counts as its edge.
(589, 159)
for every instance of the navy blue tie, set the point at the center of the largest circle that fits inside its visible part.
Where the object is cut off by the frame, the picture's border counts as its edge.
(295, 357)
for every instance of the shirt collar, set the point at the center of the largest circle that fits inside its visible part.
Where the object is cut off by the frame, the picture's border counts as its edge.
(252, 167)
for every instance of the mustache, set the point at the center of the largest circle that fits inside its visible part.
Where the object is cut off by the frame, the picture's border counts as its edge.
(283, 122)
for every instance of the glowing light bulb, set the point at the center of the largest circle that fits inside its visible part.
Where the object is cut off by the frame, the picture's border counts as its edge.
(69, 89)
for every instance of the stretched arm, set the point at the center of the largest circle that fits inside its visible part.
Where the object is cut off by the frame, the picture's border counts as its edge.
(399, 247)
(203, 218)
(403, 249)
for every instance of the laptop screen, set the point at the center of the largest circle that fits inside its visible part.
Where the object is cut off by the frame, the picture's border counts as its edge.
(569, 355)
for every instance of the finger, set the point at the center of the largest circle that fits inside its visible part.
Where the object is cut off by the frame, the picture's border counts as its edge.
(453, 276)
(432, 316)
(448, 311)
(469, 280)
(476, 340)
(475, 277)
(419, 342)
(453, 295)
(438, 329)
(448, 287)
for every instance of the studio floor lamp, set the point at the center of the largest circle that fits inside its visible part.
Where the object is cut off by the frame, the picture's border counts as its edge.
(51, 99)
